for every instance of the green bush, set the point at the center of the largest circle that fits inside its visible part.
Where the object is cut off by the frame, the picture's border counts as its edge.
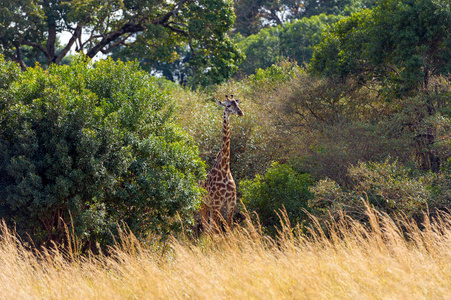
(280, 188)
(389, 187)
(93, 145)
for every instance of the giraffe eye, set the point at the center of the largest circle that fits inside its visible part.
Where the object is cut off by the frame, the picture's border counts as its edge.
(228, 105)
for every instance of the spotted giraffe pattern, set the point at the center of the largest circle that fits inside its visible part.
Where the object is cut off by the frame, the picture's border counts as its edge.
(221, 189)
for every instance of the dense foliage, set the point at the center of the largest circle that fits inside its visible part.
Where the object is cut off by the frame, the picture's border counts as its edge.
(401, 46)
(152, 29)
(389, 186)
(92, 146)
(252, 16)
(294, 40)
(355, 105)
(401, 43)
(280, 190)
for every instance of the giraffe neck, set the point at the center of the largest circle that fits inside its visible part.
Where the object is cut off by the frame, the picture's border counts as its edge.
(225, 149)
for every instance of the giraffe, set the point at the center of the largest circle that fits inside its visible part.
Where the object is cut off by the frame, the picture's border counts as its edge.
(221, 189)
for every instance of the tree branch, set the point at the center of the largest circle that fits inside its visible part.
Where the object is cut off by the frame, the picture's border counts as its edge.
(34, 45)
(112, 36)
(117, 43)
(76, 35)
(18, 58)
(131, 27)
(172, 12)
(176, 30)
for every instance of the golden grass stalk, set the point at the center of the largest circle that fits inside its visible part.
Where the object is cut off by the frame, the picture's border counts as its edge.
(385, 259)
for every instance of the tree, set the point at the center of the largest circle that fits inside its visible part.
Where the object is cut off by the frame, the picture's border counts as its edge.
(300, 36)
(400, 44)
(152, 28)
(294, 40)
(92, 146)
(177, 70)
(335, 7)
(254, 15)
(262, 50)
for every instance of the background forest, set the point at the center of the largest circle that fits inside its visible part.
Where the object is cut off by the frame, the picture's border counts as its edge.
(344, 100)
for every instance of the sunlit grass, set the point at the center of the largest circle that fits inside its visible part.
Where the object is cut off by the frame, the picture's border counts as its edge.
(378, 261)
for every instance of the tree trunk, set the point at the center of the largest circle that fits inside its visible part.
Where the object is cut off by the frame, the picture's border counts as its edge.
(425, 156)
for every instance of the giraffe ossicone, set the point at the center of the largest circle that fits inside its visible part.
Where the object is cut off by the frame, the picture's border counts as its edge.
(220, 186)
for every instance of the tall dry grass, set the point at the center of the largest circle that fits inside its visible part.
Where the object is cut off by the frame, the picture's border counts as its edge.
(383, 260)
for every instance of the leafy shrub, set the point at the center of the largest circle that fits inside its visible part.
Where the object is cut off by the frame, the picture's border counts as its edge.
(388, 186)
(92, 146)
(274, 75)
(9, 72)
(281, 187)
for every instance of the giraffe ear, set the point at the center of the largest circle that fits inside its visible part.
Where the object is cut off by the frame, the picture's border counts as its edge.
(237, 100)
(220, 103)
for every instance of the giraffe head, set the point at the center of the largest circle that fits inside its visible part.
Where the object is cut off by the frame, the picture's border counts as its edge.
(231, 106)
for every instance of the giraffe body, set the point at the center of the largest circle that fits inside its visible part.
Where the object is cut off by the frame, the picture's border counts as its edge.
(221, 189)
